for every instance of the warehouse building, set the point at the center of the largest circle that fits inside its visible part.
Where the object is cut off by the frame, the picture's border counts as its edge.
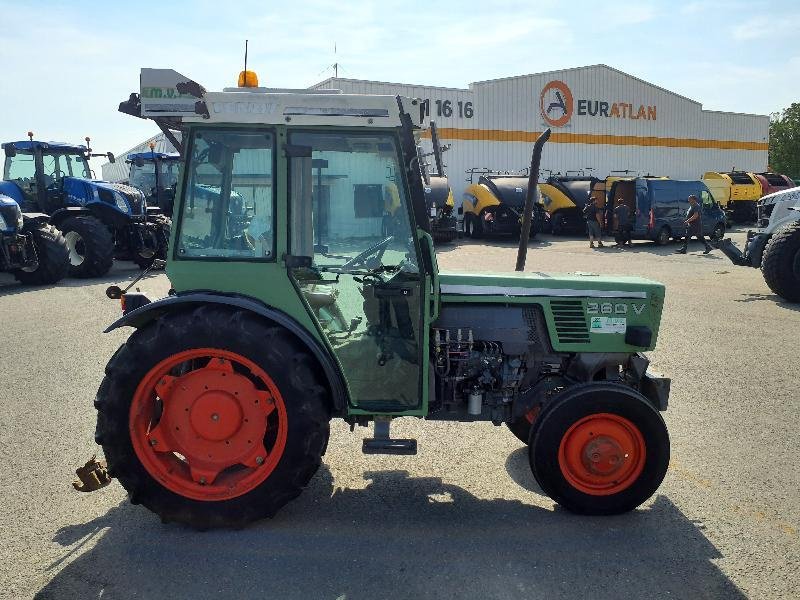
(603, 121)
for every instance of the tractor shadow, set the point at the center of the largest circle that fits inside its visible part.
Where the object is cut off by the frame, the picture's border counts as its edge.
(399, 537)
(773, 298)
(122, 273)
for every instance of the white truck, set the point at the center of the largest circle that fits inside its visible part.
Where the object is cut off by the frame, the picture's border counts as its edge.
(775, 246)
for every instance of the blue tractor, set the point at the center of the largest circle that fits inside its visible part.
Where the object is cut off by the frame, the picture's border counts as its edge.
(31, 249)
(100, 220)
(156, 174)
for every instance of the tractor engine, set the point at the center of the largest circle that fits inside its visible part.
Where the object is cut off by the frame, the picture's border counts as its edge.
(486, 357)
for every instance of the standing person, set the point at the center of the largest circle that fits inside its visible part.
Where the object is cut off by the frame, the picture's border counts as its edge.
(593, 213)
(622, 231)
(694, 226)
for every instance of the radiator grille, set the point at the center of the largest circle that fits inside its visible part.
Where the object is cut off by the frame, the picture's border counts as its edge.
(570, 319)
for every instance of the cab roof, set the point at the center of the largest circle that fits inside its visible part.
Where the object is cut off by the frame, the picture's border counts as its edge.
(165, 93)
(30, 145)
(154, 155)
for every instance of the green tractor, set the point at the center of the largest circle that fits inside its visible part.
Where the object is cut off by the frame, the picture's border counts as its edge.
(288, 311)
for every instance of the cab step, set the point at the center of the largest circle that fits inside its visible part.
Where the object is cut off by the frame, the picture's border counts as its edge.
(383, 444)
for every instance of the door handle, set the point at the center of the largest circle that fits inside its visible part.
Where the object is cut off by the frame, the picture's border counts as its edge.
(427, 243)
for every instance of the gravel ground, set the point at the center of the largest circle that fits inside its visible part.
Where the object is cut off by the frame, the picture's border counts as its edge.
(462, 519)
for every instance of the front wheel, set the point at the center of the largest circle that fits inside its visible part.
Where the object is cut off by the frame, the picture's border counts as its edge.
(781, 262)
(664, 236)
(212, 418)
(52, 255)
(599, 449)
(90, 245)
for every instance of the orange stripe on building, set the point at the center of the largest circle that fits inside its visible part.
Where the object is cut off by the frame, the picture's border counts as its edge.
(502, 135)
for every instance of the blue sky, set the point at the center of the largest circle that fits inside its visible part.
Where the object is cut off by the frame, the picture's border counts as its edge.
(66, 66)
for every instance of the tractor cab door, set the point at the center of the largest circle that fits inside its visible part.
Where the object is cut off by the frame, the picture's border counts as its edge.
(354, 261)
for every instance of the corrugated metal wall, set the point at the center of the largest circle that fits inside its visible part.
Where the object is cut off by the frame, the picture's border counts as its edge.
(120, 169)
(676, 137)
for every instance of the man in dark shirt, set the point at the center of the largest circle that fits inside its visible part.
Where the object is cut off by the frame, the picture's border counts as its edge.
(623, 228)
(594, 221)
(694, 226)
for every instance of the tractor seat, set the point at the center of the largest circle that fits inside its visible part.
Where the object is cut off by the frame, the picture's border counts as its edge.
(320, 296)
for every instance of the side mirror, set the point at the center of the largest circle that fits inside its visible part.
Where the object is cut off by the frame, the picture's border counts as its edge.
(139, 162)
(11, 151)
(111, 158)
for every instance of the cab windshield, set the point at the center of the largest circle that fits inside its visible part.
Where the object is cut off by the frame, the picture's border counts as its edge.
(65, 164)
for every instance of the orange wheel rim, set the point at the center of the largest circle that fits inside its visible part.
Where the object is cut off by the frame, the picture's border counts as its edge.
(208, 424)
(602, 454)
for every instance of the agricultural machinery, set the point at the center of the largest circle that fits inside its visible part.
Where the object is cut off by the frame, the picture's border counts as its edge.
(438, 195)
(215, 412)
(31, 249)
(100, 220)
(493, 206)
(775, 246)
(156, 175)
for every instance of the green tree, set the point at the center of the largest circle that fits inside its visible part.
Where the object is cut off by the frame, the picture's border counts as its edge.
(784, 141)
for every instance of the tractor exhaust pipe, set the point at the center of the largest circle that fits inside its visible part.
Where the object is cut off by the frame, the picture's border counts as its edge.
(527, 216)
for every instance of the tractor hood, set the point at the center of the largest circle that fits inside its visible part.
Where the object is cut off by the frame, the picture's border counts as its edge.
(126, 198)
(500, 287)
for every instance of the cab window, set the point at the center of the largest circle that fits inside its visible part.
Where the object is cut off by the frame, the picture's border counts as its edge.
(706, 198)
(227, 210)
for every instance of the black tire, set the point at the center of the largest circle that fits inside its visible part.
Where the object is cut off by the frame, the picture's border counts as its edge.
(743, 211)
(51, 250)
(664, 236)
(577, 403)
(521, 428)
(294, 372)
(719, 232)
(558, 224)
(90, 245)
(780, 264)
(156, 243)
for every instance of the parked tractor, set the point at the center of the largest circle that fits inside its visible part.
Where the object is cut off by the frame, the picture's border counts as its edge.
(775, 246)
(100, 220)
(156, 175)
(31, 249)
(215, 411)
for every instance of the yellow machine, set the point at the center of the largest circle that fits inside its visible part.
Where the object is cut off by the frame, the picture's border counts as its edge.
(564, 198)
(495, 204)
(738, 191)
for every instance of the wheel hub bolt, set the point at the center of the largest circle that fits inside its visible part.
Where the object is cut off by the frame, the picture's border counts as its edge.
(202, 481)
(259, 460)
(153, 442)
(215, 417)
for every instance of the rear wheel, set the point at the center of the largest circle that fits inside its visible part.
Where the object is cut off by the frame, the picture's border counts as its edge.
(212, 418)
(90, 245)
(52, 254)
(155, 242)
(664, 236)
(599, 449)
(781, 262)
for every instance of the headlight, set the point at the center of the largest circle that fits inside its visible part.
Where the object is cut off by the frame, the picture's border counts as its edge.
(3, 224)
(19, 218)
(121, 203)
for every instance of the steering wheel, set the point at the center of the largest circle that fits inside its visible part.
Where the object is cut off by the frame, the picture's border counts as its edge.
(377, 249)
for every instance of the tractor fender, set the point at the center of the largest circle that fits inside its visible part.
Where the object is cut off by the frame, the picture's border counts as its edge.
(34, 219)
(62, 214)
(153, 310)
(10, 189)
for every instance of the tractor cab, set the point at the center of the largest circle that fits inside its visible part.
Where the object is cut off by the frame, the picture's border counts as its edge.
(40, 170)
(156, 175)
